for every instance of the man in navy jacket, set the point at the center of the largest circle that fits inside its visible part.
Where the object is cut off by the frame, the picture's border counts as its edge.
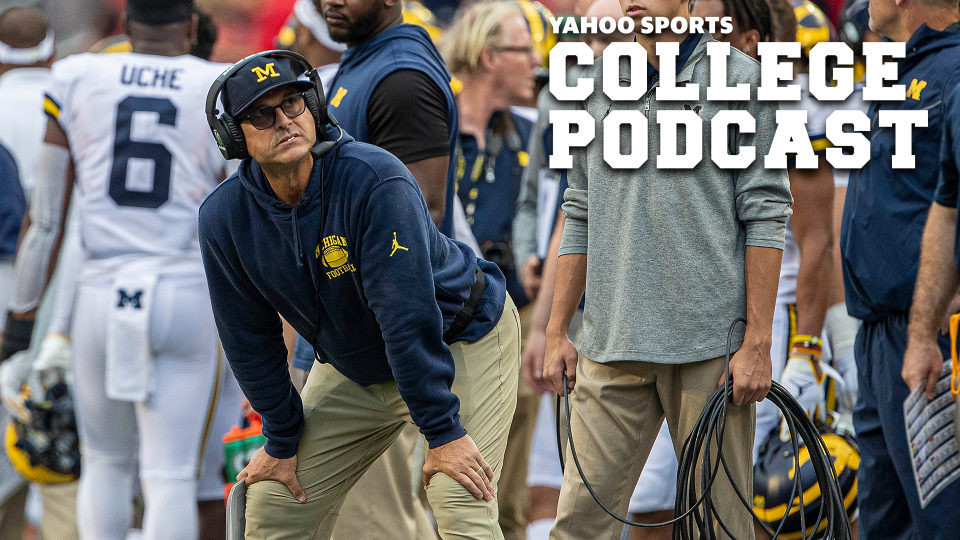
(883, 220)
(392, 89)
(409, 325)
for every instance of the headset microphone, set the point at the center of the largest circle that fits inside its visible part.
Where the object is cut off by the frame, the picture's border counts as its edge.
(324, 147)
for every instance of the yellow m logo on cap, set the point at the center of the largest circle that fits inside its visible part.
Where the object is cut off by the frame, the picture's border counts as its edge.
(263, 72)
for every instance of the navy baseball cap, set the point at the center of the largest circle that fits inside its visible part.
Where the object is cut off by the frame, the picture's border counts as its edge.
(258, 77)
(158, 12)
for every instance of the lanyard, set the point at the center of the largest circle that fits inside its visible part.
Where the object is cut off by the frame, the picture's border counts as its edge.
(486, 161)
(475, 172)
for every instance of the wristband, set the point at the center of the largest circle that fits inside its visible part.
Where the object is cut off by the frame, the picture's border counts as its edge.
(810, 348)
(807, 345)
(16, 337)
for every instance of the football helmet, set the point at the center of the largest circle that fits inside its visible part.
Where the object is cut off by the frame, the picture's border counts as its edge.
(119, 43)
(538, 19)
(812, 25)
(418, 14)
(46, 450)
(773, 480)
(855, 23)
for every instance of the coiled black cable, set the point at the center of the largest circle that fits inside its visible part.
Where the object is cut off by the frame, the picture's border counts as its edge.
(694, 518)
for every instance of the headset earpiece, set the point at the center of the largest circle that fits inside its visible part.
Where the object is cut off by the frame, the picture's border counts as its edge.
(238, 143)
(317, 109)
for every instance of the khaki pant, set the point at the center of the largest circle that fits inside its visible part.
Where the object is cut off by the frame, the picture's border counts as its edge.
(348, 426)
(59, 520)
(382, 504)
(617, 410)
(12, 514)
(59, 512)
(513, 494)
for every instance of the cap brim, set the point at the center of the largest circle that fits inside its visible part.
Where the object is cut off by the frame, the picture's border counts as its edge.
(299, 85)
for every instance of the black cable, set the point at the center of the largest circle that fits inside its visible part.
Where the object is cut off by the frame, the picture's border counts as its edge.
(695, 517)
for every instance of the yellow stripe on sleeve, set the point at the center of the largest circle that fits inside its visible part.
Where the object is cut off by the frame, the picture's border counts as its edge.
(50, 107)
(821, 145)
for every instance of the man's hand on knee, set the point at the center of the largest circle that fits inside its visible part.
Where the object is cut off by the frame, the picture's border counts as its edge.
(751, 371)
(461, 460)
(265, 467)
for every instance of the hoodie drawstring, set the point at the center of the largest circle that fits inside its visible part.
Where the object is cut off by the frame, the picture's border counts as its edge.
(296, 237)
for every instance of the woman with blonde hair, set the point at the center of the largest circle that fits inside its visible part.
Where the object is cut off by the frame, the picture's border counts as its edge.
(490, 50)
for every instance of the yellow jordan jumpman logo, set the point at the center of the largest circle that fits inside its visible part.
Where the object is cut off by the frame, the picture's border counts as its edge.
(396, 245)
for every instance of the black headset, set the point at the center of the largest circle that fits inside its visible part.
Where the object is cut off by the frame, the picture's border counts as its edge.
(227, 130)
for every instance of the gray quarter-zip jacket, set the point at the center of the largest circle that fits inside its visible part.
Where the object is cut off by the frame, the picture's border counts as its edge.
(665, 248)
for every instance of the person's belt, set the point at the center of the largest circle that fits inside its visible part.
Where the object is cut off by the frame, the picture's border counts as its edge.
(465, 315)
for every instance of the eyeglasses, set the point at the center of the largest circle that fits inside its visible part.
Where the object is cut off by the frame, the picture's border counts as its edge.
(265, 117)
(527, 50)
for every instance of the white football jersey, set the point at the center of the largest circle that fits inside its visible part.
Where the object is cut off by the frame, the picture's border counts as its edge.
(22, 122)
(143, 153)
(817, 113)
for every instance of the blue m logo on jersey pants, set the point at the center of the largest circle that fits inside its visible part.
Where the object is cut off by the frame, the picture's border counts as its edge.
(127, 299)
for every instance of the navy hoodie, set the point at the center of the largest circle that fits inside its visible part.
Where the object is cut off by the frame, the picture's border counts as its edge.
(363, 66)
(886, 209)
(373, 290)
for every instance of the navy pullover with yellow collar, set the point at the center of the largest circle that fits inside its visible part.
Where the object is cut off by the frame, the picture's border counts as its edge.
(373, 290)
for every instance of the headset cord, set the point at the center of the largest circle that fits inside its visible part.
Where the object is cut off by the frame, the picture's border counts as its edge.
(694, 517)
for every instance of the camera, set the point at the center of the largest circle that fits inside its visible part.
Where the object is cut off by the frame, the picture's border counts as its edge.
(500, 253)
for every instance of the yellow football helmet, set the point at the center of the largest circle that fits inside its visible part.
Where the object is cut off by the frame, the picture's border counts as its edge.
(773, 478)
(538, 18)
(47, 449)
(114, 44)
(418, 14)
(812, 25)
